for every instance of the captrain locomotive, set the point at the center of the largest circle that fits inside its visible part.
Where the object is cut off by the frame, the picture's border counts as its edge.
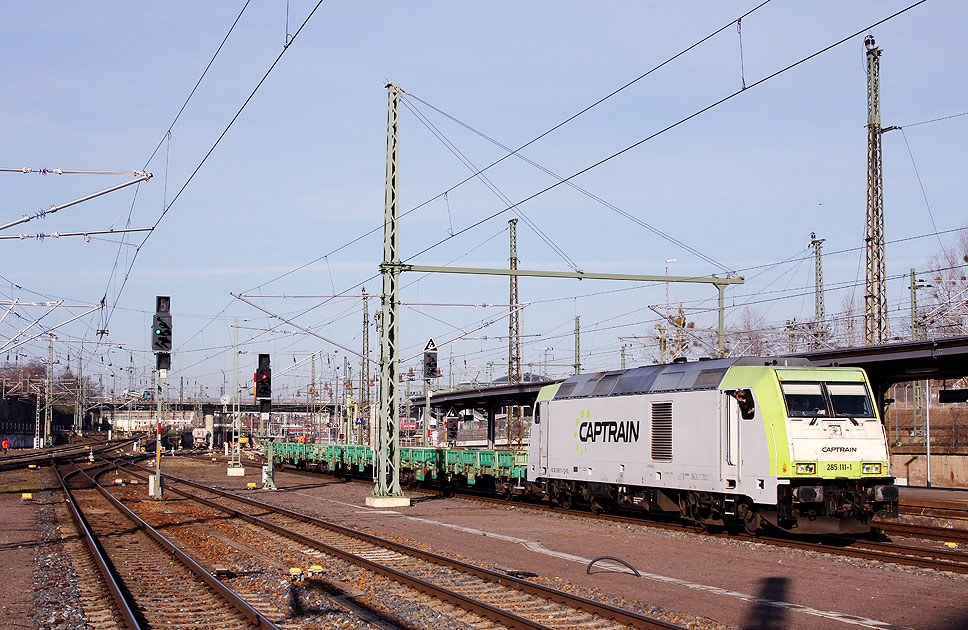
(744, 442)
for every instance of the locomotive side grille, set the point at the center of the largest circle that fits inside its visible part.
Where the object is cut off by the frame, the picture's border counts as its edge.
(662, 431)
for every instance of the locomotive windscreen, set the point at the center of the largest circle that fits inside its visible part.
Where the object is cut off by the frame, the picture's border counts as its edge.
(804, 400)
(850, 400)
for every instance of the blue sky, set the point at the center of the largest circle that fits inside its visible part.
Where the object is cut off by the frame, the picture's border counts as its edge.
(301, 171)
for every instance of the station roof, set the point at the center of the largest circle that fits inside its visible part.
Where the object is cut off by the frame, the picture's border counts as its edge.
(945, 358)
(939, 359)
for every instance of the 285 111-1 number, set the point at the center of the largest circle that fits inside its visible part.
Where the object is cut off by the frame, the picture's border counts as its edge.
(838, 466)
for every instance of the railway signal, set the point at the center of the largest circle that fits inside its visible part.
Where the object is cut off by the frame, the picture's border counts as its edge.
(263, 384)
(430, 361)
(161, 346)
(161, 332)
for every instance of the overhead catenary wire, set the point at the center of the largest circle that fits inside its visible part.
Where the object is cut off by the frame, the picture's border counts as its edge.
(86, 233)
(489, 184)
(572, 185)
(659, 132)
(924, 193)
(215, 145)
(57, 208)
(678, 123)
(934, 120)
(527, 144)
(64, 171)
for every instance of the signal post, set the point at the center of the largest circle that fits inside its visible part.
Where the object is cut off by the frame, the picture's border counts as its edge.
(430, 371)
(263, 397)
(235, 468)
(161, 336)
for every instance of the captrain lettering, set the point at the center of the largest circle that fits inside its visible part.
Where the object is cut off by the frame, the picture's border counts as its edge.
(610, 431)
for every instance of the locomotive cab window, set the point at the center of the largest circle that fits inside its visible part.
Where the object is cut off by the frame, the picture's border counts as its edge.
(850, 400)
(804, 400)
(744, 399)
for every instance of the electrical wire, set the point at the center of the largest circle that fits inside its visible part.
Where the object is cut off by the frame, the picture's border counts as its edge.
(525, 145)
(934, 120)
(489, 184)
(678, 123)
(924, 194)
(211, 150)
(573, 185)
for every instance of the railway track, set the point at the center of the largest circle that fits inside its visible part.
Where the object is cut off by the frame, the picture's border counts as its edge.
(485, 595)
(932, 554)
(45, 456)
(151, 583)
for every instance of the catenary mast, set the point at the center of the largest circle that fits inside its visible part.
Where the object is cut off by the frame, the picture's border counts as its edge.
(875, 298)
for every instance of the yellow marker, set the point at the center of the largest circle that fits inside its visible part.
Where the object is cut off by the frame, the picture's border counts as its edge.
(295, 573)
(214, 459)
(251, 484)
(31, 466)
(24, 496)
(951, 544)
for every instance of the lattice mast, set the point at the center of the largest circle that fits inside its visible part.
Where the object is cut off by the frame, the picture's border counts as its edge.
(514, 425)
(875, 299)
(917, 391)
(387, 471)
(819, 310)
(313, 394)
(365, 367)
(49, 396)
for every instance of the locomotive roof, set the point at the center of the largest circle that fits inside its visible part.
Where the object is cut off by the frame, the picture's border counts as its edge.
(694, 375)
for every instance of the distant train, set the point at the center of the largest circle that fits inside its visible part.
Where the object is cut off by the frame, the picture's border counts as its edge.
(728, 442)
(200, 437)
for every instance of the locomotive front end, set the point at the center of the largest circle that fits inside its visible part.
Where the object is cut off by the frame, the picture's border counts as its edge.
(838, 470)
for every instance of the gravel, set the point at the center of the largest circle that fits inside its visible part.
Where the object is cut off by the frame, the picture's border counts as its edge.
(55, 583)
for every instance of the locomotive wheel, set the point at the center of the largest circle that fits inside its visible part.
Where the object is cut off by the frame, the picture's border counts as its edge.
(565, 499)
(752, 521)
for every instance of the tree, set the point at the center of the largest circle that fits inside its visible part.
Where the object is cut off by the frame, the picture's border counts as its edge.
(849, 322)
(945, 312)
(755, 338)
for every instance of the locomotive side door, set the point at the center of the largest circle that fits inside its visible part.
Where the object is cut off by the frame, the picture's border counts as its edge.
(544, 417)
(729, 460)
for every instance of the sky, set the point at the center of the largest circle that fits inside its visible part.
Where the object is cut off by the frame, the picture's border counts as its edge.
(282, 194)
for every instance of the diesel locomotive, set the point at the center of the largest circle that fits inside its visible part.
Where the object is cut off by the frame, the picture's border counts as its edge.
(746, 441)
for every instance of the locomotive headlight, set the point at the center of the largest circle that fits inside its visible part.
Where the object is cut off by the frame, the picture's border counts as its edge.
(806, 469)
(871, 469)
